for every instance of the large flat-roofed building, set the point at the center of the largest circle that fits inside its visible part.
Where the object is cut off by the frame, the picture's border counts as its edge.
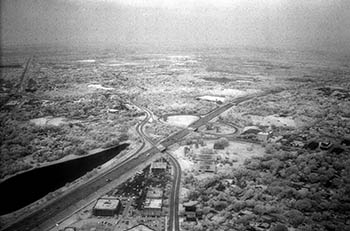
(191, 211)
(107, 206)
(154, 193)
(205, 166)
(158, 167)
(205, 157)
(153, 207)
(70, 229)
(190, 206)
(140, 227)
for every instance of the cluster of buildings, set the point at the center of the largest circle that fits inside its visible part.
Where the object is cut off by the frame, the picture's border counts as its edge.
(211, 127)
(192, 212)
(255, 132)
(158, 167)
(153, 202)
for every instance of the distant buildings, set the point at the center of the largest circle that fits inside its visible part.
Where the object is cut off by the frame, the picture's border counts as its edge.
(107, 206)
(187, 150)
(11, 104)
(219, 146)
(325, 145)
(205, 157)
(251, 130)
(263, 136)
(205, 166)
(206, 162)
(297, 143)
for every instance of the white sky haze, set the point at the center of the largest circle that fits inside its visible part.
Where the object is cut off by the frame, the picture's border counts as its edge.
(297, 24)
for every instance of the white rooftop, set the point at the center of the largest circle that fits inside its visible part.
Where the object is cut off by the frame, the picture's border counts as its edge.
(153, 203)
(158, 165)
(109, 203)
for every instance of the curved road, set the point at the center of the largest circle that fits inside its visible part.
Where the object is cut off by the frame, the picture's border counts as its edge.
(63, 205)
(174, 197)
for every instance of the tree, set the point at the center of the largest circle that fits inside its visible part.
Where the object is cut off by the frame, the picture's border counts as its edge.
(295, 217)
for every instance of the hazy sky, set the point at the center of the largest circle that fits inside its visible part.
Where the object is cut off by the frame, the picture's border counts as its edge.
(315, 24)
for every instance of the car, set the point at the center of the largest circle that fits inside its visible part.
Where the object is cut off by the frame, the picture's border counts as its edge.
(108, 180)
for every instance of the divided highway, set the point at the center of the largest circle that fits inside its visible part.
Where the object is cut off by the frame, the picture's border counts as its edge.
(63, 205)
(174, 197)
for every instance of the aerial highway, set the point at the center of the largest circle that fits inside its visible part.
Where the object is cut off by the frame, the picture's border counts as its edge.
(174, 197)
(63, 205)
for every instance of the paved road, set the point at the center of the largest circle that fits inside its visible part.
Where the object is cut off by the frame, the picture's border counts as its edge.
(23, 77)
(64, 202)
(20, 86)
(174, 138)
(62, 206)
(174, 197)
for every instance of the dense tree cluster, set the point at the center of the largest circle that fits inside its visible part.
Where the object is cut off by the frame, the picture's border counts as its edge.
(23, 145)
(307, 191)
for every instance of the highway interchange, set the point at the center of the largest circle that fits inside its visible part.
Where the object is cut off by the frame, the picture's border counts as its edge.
(56, 210)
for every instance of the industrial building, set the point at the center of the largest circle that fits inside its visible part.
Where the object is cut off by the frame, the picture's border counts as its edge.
(158, 167)
(206, 162)
(191, 211)
(107, 206)
(207, 167)
(153, 207)
(205, 157)
(218, 146)
(154, 201)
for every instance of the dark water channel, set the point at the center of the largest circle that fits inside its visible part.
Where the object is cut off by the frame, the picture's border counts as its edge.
(25, 188)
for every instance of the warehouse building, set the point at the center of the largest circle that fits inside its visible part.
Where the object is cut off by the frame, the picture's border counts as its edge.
(205, 157)
(153, 207)
(158, 167)
(207, 167)
(107, 206)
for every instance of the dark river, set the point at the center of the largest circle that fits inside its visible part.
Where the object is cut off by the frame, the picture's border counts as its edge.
(25, 188)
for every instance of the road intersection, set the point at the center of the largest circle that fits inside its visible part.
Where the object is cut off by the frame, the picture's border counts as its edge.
(58, 209)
